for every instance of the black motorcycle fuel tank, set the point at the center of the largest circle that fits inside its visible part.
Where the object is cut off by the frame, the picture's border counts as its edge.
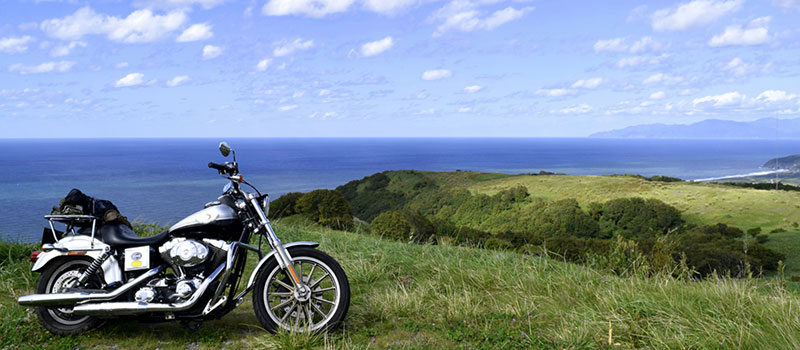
(215, 222)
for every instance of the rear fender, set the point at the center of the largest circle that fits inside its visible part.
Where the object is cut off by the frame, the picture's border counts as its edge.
(80, 246)
(271, 255)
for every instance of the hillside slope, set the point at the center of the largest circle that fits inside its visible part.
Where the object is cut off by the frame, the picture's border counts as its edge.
(701, 203)
(425, 296)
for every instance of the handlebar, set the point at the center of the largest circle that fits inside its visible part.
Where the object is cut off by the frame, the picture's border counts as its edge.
(219, 167)
(228, 168)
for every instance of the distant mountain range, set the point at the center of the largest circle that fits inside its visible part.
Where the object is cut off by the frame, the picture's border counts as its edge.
(767, 128)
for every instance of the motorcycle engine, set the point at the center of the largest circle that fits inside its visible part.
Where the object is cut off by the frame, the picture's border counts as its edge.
(189, 257)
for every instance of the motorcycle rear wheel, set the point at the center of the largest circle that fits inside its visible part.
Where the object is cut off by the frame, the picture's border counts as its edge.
(60, 320)
(277, 307)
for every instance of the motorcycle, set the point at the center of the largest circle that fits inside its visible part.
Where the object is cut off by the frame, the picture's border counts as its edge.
(191, 272)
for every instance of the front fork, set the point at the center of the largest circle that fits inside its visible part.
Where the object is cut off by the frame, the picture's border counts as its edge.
(284, 259)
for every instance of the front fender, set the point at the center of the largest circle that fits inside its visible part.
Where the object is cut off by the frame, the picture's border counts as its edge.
(271, 254)
(83, 246)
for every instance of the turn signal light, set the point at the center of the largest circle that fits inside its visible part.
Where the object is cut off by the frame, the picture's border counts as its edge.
(35, 255)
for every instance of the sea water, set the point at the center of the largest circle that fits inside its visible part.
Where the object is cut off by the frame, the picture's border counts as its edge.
(163, 180)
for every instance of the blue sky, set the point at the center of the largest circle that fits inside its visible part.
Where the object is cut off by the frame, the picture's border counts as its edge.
(342, 68)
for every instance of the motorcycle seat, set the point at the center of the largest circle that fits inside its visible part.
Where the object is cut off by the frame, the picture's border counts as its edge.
(120, 235)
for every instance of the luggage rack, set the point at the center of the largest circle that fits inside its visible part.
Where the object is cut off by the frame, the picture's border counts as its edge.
(71, 221)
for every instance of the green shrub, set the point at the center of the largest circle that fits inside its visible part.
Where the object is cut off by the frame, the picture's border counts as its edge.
(284, 206)
(497, 244)
(754, 232)
(564, 217)
(459, 234)
(391, 224)
(762, 238)
(716, 249)
(326, 207)
(637, 217)
(422, 229)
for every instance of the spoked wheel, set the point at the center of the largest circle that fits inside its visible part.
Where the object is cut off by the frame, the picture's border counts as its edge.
(54, 279)
(320, 304)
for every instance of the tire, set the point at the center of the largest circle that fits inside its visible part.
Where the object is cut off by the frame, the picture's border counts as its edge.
(60, 320)
(275, 302)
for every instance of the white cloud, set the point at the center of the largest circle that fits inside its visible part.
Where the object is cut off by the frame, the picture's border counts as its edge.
(693, 14)
(46, 67)
(436, 74)
(645, 44)
(554, 92)
(465, 16)
(739, 68)
(64, 50)
(311, 8)
(388, 6)
(504, 16)
(663, 78)
(588, 83)
(373, 48)
(657, 95)
(724, 100)
(464, 109)
(795, 4)
(755, 33)
(322, 8)
(773, 96)
(285, 48)
(639, 60)
(139, 27)
(473, 88)
(177, 80)
(15, 44)
(324, 92)
(323, 116)
(170, 4)
(263, 64)
(211, 51)
(611, 45)
(287, 108)
(132, 79)
(200, 31)
(121, 65)
(579, 109)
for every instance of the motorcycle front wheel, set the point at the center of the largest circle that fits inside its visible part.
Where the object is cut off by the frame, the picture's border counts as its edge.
(279, 306)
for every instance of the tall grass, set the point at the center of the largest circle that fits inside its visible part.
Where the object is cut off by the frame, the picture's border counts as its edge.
(424, 296)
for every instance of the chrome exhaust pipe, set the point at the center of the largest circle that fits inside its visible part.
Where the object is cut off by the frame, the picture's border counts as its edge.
(133, 308)
(69, 299)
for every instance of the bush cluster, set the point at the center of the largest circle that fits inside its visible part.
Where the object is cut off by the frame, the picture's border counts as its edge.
(325, 207)
(621, 235)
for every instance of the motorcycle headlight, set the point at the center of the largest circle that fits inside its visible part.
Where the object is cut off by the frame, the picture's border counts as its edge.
(265, 204)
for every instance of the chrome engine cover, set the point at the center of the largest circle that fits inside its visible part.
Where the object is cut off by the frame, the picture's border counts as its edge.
(185, 252)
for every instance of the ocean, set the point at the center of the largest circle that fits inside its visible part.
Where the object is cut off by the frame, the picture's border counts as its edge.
(164, 180)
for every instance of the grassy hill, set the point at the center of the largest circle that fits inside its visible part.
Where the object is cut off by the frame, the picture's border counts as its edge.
(427, 296)
(700, 202)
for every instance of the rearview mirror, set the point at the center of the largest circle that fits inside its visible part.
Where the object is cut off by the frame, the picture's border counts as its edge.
(224, 149)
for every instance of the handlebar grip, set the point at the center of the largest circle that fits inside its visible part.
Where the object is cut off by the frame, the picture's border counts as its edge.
(219, 167)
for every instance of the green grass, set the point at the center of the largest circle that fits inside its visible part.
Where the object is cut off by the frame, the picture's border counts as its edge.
(701, 203)
(423, 296)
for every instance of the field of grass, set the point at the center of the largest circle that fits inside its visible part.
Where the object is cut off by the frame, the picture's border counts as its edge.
(701, 203)
(426, 296)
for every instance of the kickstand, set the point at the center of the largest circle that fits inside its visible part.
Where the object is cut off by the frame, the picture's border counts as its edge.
(192, 325)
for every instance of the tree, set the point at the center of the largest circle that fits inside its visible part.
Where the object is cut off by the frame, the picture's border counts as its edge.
(391, 224)
(326, 207)
(284, 205)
